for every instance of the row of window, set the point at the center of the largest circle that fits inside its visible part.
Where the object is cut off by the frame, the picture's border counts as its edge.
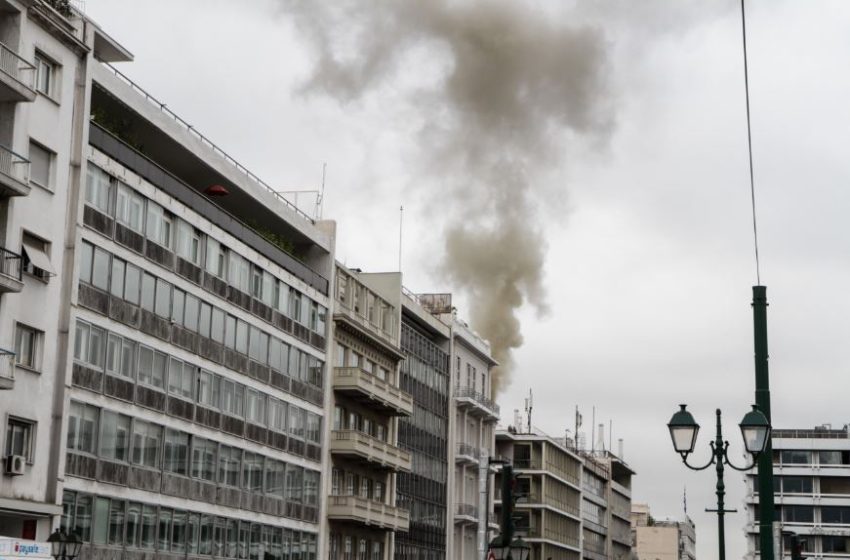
(827, 515)
(805, 457)
(351, 420)
(365, 303)
(120, 356)
(835, 485)
(126, 281)
(347, 547)
(117, 437)
(346, 357)
(347, 483)
(122, 523)
(151, 220)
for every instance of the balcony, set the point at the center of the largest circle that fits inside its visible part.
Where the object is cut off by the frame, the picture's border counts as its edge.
(7, 370)
(14, 173)
(375, 393)
(477, 403)
(10, 272)
(368, 512)
(369, 449)
(467, 454)
(355, 320)
(17, 77)
(466, 513)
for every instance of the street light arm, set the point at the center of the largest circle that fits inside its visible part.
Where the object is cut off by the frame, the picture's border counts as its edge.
(728, 462)
(710, 462)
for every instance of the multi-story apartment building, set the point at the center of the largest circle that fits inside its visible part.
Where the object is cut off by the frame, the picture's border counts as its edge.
(662, 539)
(606, 506)
(473, 414)
(425, 372)
(549, 483)
(811, 470)
(169, 330)
(366, 404)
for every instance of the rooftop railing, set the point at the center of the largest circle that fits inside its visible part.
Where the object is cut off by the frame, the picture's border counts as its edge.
(14, 165)
(206, 141)
(16, 67)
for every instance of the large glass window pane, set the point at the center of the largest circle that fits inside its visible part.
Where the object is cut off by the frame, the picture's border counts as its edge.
(86, 257)
(217, 325)
(134, 524)
(116, 522)
(193, 531)
(117, 287)
(177, 306)
(148, 291)
(83, 518)
(193, 306)
(229, 465)
(230, 332)
(208, 389)
(178, 531)
(164, 532)
(132, 284)
(148, 535)
(206, 541)
(205, 320)
(175, 452)
(101, 520)
(163, 299)
(115, 436)
(100, 269)
(203, 459)
(146, 444)
(241, 337)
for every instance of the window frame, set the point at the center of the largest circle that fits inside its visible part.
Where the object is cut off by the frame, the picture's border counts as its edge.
(34, 362)
(29, 428)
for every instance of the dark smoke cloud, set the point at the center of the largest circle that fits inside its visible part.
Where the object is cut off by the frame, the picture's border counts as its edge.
(518, 85)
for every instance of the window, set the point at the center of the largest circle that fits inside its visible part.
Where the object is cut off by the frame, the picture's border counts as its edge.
(159, 225)
(41, 165)
(208, 389)
(146, 444)
(162, 304)
(129, 208)
(36, 254)
(132, 284)
(115, 436)
(97, 188)
(229, 464)
(45, 75)
(190, 318)
(252, 472)
(148, 291)
(256, 407)
(216, 261)
(82, 428)
(239, 273)
(20, 436)
(175, 452)
(152, 367)
(203, 459)
(180, 378)
(100, 269)
(277, 415)
(28, 347)
(188, 242)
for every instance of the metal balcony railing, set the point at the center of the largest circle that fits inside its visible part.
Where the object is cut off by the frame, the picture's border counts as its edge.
(468, 393)
(7, 365)
(10, 264)
(467, 510)
(14, 165)
(468, 450)
(16, 67)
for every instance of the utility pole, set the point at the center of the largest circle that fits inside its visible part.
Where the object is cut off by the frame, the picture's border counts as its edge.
(765, 461)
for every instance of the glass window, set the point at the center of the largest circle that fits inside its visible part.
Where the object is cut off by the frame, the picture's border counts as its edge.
(134, 524)
(798, 514)
(148, 535)
(163, 299)
(159, 225)
(229, 465)
(45, 74)
(203, 459)
(193, 531)
(129, 207)
(178, 305)
(83, 518)
(132, 284)
(208, 389)
(97, 188)
(28, 347)
(152, 367)
(835, 515)
(181, 378)
(296, 422)
(256, 407)
(230, 332)
(795, 457)
(115, 436)
(116, 522)
(294, 483)
(86, 256)
(117, 288)
(241, 337)
(215, 258)
(100, 269)
(205, 320)
(193, 307)
(314, 428)
(277, 415)
(164, 531)
(175, 451)
(188, 244)
(275, 479)
(19, 438)
(252, 472)
(217, 325)
(178, 531)
(146, 443)
(82, 428)
(148, 291)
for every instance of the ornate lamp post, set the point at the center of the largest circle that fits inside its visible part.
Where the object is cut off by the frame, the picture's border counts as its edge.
(64, 546)
(516, 550)
(755, 430)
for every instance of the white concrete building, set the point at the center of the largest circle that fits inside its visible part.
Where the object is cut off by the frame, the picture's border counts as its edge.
(169, 331)
(473, 418)
(662, 539)
(811, 470)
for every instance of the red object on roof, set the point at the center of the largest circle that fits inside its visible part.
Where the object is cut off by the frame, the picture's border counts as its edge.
(216, 190)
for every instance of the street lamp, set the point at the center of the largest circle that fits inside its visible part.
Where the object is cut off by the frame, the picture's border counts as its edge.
(517, 550)
(64, 546)
(755, 430)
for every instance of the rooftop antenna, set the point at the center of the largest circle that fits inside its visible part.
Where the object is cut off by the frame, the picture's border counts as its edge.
(320, 199)
(578, 425)
(529, 405)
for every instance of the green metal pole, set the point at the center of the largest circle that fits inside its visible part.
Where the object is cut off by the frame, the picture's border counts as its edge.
(721, 489)
(765, 461)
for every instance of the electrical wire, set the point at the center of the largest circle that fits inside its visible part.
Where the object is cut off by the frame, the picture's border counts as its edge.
(750, 142)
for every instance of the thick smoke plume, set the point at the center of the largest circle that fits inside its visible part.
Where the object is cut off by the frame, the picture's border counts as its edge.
(518, 84)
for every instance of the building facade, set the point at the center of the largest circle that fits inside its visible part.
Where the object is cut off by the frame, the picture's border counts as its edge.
(662, 539)
(366, 404)
(169, 392)
(811, 478)
(474, 414)
(549, 486)
(425, 372)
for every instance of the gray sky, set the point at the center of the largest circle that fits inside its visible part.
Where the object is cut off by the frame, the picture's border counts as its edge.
(649, 258)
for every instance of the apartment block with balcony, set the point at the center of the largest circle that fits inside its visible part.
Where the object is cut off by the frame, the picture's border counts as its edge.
(426, 345)
(811, 479)
(549, 479)
(474, 415)
(44, 56)
(606, 506)
(366, 405)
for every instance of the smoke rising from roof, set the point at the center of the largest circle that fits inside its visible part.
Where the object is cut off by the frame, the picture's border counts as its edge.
(517, 86)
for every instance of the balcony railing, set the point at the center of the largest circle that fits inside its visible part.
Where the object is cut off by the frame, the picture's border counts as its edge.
(479, 398)
(466, 510)
(10, 264)
(16, 67)
(7, 369)
(16, 167)
(467, 450)
(370, 449)
(369, 512)
(373, 389)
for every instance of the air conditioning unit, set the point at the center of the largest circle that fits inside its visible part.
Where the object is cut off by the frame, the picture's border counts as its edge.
(15, 465)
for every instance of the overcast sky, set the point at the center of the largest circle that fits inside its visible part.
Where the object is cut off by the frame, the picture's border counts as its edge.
(648, 261)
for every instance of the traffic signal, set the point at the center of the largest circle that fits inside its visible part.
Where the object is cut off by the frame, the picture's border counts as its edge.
(508, 500)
